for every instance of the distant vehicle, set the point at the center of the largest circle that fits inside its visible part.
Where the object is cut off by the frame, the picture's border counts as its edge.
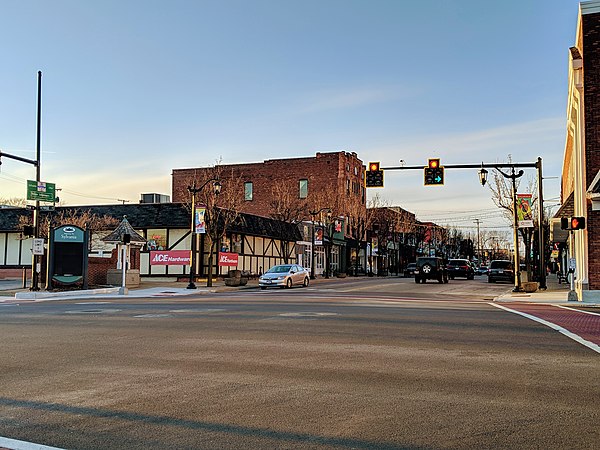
(501, 270)
(481, 270)
(460, 268)
(284, 276)
(431, 268)
(409, 270)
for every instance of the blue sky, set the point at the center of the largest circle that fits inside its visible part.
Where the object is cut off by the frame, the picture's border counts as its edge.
(133, 89)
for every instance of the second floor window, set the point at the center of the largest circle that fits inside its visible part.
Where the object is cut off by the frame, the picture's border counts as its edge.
(248, 190)
(303, 189)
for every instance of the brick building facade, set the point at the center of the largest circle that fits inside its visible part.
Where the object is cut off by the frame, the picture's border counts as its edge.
(334, 180)
(580, 188)
(292, 190)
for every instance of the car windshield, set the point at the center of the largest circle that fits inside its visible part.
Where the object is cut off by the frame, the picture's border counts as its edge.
(501, 265)
(279, 269)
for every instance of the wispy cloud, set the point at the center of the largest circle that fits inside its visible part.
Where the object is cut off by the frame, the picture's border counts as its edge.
(351, 98)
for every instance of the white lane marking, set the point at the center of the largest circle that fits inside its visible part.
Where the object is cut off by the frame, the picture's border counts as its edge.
(578, 310)
(93, 311)
(92, 303)
(558, 328)
(307, 314)
(153, 316)
(15, 444)
(197, 310)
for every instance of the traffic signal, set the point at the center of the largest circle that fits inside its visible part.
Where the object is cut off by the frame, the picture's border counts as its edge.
(572, 223)
(434, 173)
(374, 176)
(577, 223)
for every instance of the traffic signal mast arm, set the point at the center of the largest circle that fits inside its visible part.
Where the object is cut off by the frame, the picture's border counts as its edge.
(467, 166)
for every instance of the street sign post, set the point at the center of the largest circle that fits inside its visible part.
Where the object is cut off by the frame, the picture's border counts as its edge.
(41, 191)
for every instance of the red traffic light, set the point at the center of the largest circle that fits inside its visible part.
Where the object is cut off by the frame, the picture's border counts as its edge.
(433, 163)
(577, 223)
(373, 166)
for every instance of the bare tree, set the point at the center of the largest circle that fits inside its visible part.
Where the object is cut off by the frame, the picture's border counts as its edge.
(502, 196)
(221, 210)
(81, 218)
(13, 201)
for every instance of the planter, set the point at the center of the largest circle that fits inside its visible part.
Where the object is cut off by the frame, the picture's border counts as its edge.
(341, 275)
(238, 281)
(529, 286)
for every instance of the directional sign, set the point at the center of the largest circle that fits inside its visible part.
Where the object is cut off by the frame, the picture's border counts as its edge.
(41, 191)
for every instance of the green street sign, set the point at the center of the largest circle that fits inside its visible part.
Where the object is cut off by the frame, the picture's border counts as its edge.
(43, 192)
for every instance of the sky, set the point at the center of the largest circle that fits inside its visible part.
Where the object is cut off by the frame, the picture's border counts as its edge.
(133, 89)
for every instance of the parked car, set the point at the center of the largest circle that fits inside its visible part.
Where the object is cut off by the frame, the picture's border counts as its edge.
(409, 270)
(284, 276)
(430, 268)
(460, 268)
(501, 270)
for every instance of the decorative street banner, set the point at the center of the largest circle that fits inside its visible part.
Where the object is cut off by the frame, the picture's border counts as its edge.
(199, 220)
(170, 258)
(228, 259)
(375, 245)
(319, 236)
(524, 213)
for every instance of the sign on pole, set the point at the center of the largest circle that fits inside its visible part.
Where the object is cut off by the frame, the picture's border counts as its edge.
(42, 191)
(38, 246)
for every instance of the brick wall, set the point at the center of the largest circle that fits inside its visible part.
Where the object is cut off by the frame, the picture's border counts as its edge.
(98, 267)
(591, 69)
(327, 173)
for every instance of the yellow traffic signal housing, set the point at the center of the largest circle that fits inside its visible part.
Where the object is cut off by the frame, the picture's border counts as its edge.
(434, 173)
(374, 176)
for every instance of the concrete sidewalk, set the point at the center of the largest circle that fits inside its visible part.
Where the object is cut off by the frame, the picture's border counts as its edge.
(554, 294)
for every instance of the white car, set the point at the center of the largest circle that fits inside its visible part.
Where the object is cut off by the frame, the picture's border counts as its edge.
(284, 276)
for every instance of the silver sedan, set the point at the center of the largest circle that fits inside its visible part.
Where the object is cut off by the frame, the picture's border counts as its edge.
(284, 276)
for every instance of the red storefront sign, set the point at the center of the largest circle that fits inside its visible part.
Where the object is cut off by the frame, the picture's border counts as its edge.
(170, 258)
(228, 259)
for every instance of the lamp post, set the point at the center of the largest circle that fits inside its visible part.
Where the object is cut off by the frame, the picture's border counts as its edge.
(193, 191)
(312, 251)
(513, 176)
(330, 225)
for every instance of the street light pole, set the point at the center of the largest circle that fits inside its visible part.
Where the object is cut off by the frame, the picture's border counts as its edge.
(513, 176)
(193, 191)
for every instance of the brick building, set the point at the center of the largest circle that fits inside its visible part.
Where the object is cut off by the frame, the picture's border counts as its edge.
(290, 189)
(580, 188)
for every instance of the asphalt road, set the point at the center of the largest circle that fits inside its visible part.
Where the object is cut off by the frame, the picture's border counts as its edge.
(379, 363)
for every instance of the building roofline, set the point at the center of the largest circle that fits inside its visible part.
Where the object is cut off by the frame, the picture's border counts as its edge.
(590, 7)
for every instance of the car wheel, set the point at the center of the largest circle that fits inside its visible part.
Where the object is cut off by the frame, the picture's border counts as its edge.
(263, 287)
(288, 283)
(306, 282)
(440, 279)
(490, 280)
(470, 277)
(445, 279)
(452, 277)
(426, 269)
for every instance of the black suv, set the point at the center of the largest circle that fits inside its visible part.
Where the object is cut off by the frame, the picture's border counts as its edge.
(501, 270)
(431, 268)
(460, 268)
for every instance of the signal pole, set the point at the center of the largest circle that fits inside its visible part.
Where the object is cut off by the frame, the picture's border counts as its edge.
(477, 221)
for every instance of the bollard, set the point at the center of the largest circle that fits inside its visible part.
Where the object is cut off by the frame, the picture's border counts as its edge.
(24, 277)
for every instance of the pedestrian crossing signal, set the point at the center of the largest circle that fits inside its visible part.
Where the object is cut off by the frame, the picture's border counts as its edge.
(572, 223)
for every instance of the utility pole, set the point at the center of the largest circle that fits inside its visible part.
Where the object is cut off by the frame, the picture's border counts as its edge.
(36, 264)
(477, 221)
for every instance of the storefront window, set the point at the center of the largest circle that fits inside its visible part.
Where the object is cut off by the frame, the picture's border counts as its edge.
(236, 243)
(157, 239)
